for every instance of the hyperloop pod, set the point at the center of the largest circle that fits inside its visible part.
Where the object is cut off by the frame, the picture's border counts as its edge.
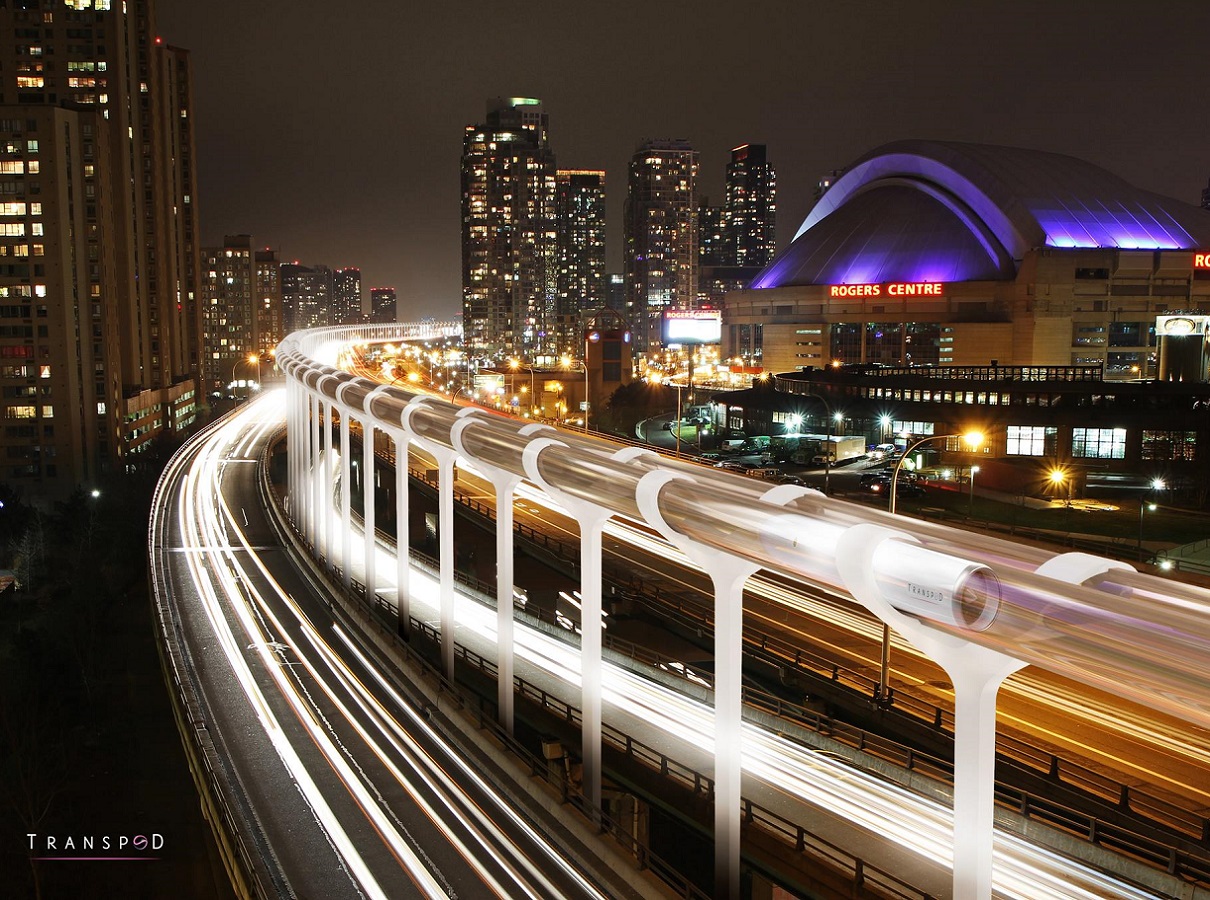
(1091, 619)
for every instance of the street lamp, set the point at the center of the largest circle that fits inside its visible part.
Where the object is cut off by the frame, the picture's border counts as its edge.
(973, 439)
(1157, 484)
(515, 364)
(250, 358)
(568, 362)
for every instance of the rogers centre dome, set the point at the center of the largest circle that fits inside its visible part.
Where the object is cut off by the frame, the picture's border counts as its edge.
(937, 211)
(935, 253)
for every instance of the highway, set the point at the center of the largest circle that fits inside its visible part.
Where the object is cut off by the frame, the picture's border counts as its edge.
(341, 786)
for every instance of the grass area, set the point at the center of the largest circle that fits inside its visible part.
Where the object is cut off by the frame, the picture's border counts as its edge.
(1165, 524)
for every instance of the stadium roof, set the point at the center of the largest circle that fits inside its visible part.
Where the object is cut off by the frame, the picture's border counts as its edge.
(945, 211)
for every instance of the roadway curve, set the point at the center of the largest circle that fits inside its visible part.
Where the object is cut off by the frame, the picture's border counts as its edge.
(337, 783)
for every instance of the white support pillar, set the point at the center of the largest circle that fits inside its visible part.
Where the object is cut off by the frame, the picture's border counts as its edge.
(291, 451)
(346, 501)
(976, 674)
(591, 519)
(369, 525)
(505, 484)
(445, 527)
(328, 477)
(403, 559)
(727, 575)
(315, 495)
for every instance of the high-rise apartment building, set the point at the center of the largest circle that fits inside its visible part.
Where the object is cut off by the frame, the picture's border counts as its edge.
(270, 327)
(509, 253)
(230, 311)
(1206, 197)
(661, 235)
(383, 306)
(346, 297)
(750, 208)
(100, 319)
(738, 238)
(306, 293)
(580, 216)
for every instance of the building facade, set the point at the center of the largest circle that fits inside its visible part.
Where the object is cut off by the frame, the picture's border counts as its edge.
(580, 215)
(509, 250)
(945, 254)
(229, 297)
(661, 233)
(306, 296)
(383, 305)
(100, 335)
(346, 297)
(270, 326)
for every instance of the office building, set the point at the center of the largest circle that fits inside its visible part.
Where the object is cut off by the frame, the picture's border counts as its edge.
(100, 326)
(509, 252)
(580, 216)
(661, 253)
(346, 297)
(383, 305)
(930, 253)
(306, 296)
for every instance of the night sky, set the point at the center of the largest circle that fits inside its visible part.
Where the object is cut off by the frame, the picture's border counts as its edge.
(332, 131)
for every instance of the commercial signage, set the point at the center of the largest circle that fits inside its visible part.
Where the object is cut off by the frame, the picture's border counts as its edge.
(1180, 326)
(894, 289)
(693, 326)
(1201, 259)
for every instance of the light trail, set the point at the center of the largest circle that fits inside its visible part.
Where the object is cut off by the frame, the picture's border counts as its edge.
(1022, 871)
(215, 546)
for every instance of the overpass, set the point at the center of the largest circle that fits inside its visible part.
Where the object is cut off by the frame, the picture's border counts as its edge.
(981, 608)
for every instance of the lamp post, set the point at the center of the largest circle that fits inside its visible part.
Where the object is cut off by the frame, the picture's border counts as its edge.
(515, 364)
(568, 363)
(1157, 484)
(250, 358)
(973, 439)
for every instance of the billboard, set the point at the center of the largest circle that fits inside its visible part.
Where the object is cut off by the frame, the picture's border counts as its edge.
(693, 326)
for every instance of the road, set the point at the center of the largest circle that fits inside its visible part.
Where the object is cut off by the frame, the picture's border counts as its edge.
(342, 786)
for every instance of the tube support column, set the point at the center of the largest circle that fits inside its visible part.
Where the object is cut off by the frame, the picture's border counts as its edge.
(727, 574)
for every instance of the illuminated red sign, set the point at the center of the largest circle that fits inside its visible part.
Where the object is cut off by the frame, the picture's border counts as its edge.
(894, 289)
(1201, 260)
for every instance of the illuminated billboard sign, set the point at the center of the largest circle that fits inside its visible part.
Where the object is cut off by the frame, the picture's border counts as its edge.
(1201, 259)
(894, 289)
(1181, 326)
(693, 326)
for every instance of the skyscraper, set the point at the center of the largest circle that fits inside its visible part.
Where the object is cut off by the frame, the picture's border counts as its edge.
(230, 315)
(509, 253)
(306, 293)
(101, 322)
(580, 214)
(661, 235)
(1206, 197)
(750, 208)
(740, 237)
(383, 305)
(346, 296)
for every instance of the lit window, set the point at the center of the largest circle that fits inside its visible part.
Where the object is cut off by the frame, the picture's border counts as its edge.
(1098, 443)
(44, 371)
(30, 81)
(12, 229)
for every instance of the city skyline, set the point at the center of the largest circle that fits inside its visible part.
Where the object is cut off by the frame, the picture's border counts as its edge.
(818, 87)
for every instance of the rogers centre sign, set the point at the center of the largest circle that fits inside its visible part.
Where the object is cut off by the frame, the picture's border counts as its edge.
(894, 289)
(1201, 260)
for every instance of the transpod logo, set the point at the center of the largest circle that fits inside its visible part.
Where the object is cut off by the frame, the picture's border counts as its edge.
(94, 847)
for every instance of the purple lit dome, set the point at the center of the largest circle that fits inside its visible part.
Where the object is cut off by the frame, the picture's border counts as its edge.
(943, 211)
